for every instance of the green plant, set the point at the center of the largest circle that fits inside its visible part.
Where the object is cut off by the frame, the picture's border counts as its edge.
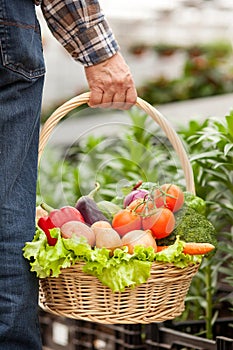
(211, 147)
(207, 71)
(58, 181)
(140, 152)
(226, 253)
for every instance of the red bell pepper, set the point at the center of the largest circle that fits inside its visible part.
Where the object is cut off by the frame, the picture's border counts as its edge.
(57, 218)
(60, 216)
(46, 224)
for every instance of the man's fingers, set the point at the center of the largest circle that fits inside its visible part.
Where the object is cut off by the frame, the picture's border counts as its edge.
(131, 97)
(125, 100)
(120, 100)
(107, 100)
(96, 98)
(101, 99)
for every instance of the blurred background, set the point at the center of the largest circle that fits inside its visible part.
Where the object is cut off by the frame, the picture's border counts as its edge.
(177, 50)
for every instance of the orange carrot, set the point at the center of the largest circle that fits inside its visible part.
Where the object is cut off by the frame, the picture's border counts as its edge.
(192, 248)
(161, 247)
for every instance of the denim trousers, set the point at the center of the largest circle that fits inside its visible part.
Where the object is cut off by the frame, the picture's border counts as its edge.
(21, 85)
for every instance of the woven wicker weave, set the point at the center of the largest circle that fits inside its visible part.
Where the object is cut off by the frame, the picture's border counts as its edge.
(77, 295)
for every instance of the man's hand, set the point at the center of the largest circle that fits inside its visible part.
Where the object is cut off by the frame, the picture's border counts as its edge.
(111, 84)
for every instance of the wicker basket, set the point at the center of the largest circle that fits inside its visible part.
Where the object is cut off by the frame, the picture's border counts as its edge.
(77, 295)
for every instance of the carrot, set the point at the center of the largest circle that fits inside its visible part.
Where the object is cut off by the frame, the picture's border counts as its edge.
(193, 248)
(161, 247)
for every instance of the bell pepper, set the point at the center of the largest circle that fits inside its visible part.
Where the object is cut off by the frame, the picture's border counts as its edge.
(46, 224)
(57, 218)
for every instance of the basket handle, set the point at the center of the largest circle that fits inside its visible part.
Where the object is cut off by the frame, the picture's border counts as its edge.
(171, 134)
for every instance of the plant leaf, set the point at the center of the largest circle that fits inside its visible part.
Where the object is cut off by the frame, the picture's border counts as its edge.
(229, 119)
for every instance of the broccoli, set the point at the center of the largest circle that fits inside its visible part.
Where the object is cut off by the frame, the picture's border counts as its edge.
(191, 227)
(195, 202)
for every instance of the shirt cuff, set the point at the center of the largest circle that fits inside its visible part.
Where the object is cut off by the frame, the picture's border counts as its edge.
(93, 45)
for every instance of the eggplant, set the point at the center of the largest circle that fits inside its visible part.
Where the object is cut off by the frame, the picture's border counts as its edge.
(89, 209)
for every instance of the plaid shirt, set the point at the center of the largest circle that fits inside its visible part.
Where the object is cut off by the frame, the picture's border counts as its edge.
(80, 26)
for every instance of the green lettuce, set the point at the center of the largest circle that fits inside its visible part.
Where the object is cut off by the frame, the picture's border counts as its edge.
(120, 270)
(117, 271)
(174, 255)
(46, 260)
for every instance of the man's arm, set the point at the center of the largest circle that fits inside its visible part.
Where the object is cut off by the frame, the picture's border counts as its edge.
(80, 26)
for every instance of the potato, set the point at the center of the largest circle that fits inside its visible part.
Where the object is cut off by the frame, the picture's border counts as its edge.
(138, 237)
(79, 229)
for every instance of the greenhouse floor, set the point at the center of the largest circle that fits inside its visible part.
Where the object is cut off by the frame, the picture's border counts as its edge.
(107, 121)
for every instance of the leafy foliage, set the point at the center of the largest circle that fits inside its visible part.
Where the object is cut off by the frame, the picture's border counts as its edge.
(140, 152)
(211, 147)
(226, 252)
(207, 71)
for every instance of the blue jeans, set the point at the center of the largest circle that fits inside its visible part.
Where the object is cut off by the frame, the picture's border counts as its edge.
(21, 83)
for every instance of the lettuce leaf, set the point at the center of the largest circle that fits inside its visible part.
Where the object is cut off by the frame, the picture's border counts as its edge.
(117, 271)
(173, 254)
(122, 275)
(46, 260)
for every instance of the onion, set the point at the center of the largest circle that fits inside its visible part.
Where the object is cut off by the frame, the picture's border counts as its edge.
(107, 238)
(134, 195)
(139, 237)
(78, 229)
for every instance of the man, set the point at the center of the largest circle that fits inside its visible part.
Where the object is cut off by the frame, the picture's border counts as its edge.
(81, 28)
(92, 43)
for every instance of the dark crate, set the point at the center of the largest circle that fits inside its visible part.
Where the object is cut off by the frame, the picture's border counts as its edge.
(223, 326)
(83, 335)
(59, 333)
(108, 337)
(160, 337)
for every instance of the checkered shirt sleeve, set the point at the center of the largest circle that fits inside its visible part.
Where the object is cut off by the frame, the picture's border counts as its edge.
(80, 26)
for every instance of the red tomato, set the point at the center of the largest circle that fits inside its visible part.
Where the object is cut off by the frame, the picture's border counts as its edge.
(169, 196)
(161, 223)
(126, 220)
(141, 206)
